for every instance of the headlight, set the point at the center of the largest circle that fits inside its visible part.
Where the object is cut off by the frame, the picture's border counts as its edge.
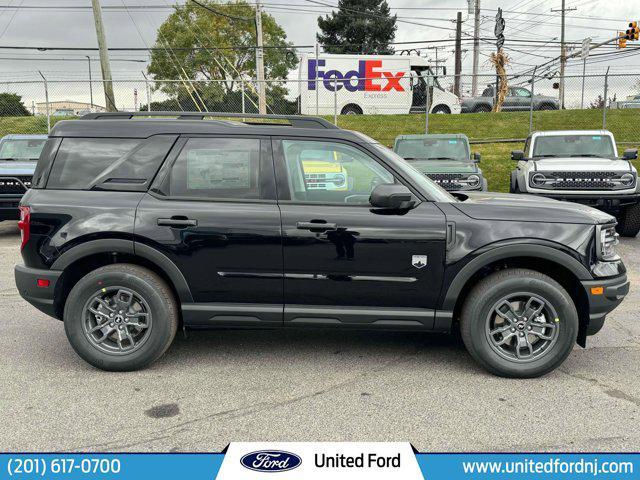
(473, 181)
(538, 180)
(338, 180)
(606, 241)
(628, 179)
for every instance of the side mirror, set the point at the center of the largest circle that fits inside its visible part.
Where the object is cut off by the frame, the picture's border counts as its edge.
(517, 155)
(630, 154)
(392, 196)
(476, 157)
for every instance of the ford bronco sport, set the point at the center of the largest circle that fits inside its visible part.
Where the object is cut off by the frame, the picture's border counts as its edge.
(444, 158)
(136, 226)
(581, 166)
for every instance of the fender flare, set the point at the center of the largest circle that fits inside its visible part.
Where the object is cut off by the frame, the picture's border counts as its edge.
(118, 245)
(509, 251)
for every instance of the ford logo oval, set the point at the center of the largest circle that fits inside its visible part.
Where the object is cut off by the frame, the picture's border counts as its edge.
(271, 461)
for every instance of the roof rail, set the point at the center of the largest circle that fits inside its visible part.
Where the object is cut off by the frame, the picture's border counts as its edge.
(297, 121)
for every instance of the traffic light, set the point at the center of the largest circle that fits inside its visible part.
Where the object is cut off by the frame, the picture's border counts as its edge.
(622, 40)
(632, 32)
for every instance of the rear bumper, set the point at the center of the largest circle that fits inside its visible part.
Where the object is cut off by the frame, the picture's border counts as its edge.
(39, 297)
(600, 304)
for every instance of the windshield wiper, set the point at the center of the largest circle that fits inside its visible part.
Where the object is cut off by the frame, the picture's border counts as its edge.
(544, 156)
(592, 155)
(441, 158)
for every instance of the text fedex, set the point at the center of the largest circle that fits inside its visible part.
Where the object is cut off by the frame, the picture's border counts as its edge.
(369, 77)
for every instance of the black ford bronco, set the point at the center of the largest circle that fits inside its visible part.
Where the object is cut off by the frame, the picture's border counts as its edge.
(135, 227)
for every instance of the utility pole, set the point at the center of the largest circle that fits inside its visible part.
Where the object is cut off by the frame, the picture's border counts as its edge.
(262, 101)
(458, 62)
(563, 50)
(110, 100)
(476, 48)
(90, 84)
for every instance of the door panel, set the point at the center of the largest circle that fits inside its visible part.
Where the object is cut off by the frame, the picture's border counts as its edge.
(347, 264)
(229, 250)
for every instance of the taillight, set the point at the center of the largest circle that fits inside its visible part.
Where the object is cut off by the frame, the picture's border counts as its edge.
(24, 225)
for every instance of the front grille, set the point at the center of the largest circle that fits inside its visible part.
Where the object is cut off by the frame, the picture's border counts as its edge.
(17, 184)
(448, 181)
(582, 181)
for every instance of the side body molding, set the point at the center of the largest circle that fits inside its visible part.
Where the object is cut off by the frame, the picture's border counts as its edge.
(510, 251)
(117, 245)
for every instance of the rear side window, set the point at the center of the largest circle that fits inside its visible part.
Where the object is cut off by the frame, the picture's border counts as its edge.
(223, 168)
(108, 163)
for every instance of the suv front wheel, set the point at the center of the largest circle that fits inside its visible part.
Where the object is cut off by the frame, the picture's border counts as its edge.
(519, 323)
(629, 221)
(120, 317)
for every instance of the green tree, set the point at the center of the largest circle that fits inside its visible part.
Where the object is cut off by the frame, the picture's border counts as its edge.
(11, 105)
(359, 26)
(214, 44)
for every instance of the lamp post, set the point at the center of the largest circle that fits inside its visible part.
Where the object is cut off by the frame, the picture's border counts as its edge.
(90, 84)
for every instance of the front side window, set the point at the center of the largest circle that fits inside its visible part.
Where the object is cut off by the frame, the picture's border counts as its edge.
(327, 172)
(522, 92)
(222, 168)
(573, 146)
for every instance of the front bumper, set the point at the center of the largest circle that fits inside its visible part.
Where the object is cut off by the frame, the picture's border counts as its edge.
(600, 201)
(600, 304)
(40, 297)
(9, 207)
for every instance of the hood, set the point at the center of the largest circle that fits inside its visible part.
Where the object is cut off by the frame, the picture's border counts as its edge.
(17, 167)
(528, 208)
(581, 164)
(444, 166)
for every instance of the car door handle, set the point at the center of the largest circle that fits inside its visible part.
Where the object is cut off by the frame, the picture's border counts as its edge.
(177, 222)
(317, 226)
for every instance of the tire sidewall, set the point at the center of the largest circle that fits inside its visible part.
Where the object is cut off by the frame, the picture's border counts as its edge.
(568, 326)
(154, 345)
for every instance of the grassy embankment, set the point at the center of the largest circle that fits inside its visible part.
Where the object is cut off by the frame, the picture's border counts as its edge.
(496, 163)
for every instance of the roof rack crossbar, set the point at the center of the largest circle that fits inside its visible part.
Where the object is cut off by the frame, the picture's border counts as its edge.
(297, 121)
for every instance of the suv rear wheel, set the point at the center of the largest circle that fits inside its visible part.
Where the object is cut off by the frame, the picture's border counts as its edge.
(519, 323)
(120, 317)
(629, 221)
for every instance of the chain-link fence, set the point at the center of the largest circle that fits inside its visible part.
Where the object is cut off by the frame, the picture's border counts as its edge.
(383, 106)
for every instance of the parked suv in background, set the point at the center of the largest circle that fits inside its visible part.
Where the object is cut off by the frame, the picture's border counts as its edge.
(444, 158)
(581, 166)
(517, 99)
(18, 157)
(136, 226)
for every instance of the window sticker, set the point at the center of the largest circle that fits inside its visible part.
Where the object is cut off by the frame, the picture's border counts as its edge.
(218, 169)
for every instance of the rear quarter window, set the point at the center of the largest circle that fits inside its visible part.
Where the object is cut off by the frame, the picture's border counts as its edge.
(108, 163)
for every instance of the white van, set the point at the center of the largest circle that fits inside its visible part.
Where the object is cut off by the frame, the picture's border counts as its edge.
(370, 84)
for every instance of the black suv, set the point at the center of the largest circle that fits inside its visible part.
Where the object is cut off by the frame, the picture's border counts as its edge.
(136, 226)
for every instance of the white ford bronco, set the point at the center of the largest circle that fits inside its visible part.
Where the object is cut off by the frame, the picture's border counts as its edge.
(581, 166)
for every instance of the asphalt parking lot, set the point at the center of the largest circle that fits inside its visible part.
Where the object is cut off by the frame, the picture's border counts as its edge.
(214, 387)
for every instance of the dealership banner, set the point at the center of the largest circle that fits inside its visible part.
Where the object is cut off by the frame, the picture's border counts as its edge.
(319, 460)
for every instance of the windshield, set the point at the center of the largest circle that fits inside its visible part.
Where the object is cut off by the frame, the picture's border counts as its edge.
(433, 149)
(424, 183)
(21, 149)
(573, 146)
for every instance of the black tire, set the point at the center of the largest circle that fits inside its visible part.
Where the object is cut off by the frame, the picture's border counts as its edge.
(441, 109)
(629, 221)
(547, 106)
(478, 310)
(153, 293)
(483, 108)
(351, 109)
(513, 185)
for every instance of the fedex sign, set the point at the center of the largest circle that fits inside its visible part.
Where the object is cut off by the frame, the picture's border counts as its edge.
(369, 77)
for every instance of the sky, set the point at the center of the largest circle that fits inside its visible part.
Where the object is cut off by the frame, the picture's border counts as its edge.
(417, 20)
